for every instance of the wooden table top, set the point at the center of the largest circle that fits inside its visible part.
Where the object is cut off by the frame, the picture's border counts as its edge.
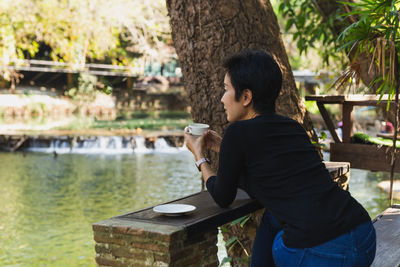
(208, 214)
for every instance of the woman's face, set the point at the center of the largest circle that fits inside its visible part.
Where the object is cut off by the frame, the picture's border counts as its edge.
(234, 110)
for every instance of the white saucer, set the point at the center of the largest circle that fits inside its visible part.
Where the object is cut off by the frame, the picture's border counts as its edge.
(174, 209)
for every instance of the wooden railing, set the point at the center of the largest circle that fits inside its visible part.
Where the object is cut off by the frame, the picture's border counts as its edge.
(65, 67)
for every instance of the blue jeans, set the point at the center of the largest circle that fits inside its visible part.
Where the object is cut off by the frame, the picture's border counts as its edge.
(355, 248)
(261, 253)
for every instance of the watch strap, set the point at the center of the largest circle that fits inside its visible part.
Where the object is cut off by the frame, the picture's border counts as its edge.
(201, 161)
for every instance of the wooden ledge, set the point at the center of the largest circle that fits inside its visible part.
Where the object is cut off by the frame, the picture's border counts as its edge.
(208, 214)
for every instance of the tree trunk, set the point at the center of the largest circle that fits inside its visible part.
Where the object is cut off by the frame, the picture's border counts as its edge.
(204, 33)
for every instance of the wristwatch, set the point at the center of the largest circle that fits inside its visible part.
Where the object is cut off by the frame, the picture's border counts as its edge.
(201, 161)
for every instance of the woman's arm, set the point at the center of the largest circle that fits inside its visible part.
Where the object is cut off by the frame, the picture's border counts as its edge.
(231, 165)
(222, 187)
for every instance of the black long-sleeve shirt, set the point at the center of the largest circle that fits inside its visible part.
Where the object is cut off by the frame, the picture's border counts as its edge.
(273, 160)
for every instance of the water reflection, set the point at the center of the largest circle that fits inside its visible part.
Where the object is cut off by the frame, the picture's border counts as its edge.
(363, 187)
(48, 204)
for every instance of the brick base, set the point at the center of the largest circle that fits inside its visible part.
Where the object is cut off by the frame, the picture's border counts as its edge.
(125, 243)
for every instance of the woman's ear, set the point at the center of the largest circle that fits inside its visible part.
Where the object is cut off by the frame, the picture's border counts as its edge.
(247, 97)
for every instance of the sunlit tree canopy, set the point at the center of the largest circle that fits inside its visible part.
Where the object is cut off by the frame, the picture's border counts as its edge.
(80, 30)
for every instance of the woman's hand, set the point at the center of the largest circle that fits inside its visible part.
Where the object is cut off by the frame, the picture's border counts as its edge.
(212, 140)
(196, 145)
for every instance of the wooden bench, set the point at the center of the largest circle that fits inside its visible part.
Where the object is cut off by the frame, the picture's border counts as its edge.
(387, 226)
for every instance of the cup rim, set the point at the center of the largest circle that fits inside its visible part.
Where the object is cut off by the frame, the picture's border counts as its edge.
(199, 125)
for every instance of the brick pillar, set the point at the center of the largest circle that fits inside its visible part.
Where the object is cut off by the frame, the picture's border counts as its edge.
(134, 243)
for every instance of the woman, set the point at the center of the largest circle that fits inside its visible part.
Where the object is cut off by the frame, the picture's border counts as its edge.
(309, 220)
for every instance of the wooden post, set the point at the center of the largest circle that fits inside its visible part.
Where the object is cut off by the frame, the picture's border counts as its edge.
(347, 113)
(328, 122)
(19, 143)
(70, 80)
(129, 83)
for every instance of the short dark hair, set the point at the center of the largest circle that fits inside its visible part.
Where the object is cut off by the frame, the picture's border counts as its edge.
(257, 71)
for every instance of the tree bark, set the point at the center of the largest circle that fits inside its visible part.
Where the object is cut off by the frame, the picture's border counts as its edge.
(205, 32)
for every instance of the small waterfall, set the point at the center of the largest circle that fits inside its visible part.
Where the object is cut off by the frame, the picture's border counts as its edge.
(102, 145)
(140, 145)
(160, 145)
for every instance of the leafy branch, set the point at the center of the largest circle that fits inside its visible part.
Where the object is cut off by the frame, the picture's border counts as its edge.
(309, 28)
(235, 240)
(375, 34)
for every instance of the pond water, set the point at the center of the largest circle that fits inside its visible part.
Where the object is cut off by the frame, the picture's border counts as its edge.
(49, 203)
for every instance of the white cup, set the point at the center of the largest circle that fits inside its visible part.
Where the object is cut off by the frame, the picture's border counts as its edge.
(197, 128)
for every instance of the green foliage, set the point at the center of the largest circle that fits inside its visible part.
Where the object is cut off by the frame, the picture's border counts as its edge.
(143, 120)
(308, 28)
(174, 114)
(322, 136)
(376, 35)
(226, 260)
(135, 115)
(88, 87)
(231, 242)
(115, 31)
(86, 91)
(146, 123)
(79, 123)
(241, 221)
(312, 107)
(171, 114)
(224, 228)
(362, 138)
(234, 240)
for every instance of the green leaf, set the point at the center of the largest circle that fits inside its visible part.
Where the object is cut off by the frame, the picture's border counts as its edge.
(295, 36)
(300, 21)
(224, 229)
(281, 7)
(238, 220)
(351, 43)
(289, 24)
(244, 221)
(108, 90)
(231, 240)
(231, 247)
(348, 3)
